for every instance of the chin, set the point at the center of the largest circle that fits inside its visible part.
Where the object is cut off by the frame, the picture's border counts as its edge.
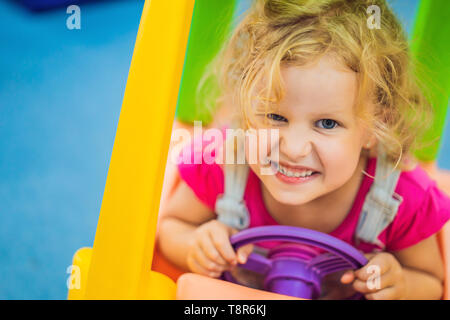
(290, 198)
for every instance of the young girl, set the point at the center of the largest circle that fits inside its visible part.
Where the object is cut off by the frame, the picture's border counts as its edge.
(342, 97)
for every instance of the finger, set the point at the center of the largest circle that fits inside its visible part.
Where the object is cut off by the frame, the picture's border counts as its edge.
(243, 253)
(210, 250)
(378, 264)
(389, 293)
(232, 231)
(197, 268)
(369, 256)
(375, 283)
(348, 277)
(221, 242)
(205, 262)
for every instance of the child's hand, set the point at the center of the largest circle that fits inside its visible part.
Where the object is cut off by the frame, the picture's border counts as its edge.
(211, 253)
(382, 278)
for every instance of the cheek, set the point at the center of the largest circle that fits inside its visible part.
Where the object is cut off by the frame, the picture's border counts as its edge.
(340, 159)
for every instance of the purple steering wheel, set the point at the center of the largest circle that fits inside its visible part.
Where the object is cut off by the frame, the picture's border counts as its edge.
(298, 267)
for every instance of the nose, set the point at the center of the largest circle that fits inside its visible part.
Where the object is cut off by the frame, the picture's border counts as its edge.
(295, 143)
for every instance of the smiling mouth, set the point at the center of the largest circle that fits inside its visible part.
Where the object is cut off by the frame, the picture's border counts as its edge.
(292, 172)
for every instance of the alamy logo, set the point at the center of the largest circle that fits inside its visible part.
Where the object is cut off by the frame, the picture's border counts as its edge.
(374, 20)
(74, 279)
(74, 20)
(260, 145)
(374, 281)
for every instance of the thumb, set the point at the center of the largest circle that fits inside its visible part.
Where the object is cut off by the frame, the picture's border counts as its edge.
(232, 231)
(244, 252)
(369, 256)
(348, 277)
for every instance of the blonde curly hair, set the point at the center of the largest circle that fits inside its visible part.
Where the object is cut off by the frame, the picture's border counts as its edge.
(275, 33)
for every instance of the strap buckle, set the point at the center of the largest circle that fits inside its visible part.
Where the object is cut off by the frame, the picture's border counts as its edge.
(232, 212)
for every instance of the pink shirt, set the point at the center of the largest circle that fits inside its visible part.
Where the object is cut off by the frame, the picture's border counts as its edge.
(423, 212)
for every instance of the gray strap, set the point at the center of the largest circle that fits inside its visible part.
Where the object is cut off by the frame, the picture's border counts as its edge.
(381, 203)
(230, 207)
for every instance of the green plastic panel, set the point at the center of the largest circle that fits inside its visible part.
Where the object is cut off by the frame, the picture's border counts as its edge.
(211, 22)
(430, 44)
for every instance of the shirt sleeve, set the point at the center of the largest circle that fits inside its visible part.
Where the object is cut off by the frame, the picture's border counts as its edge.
(200, 172)
(412, 226)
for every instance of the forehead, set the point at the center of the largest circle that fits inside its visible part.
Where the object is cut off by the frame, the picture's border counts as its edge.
(324, 86)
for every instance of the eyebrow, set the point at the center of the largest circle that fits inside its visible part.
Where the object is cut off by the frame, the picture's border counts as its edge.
(329, 113)
(335, 111)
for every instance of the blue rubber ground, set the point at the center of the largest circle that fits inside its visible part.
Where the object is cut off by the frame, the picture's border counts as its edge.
(60, 98)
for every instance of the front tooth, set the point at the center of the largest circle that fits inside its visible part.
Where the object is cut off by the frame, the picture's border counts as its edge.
(289, 173)
(305, 173)
(308, 173)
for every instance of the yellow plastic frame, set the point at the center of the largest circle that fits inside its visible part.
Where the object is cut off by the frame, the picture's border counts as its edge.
(118, 265)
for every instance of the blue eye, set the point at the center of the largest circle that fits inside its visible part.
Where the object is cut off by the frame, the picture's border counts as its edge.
(328, 123)
(276, 117)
